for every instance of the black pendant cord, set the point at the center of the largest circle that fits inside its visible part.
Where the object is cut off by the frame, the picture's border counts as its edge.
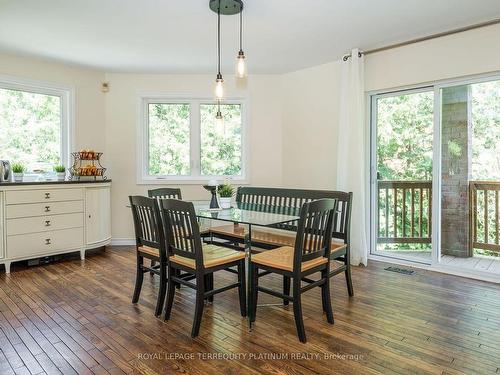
(241, 30)
(218, 39)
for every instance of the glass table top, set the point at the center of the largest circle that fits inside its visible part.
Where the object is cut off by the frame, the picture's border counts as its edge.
(242, 215)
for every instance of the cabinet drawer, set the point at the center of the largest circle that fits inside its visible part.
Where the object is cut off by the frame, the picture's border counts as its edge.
(41, 209)
(43, 195)
(34, 244)
(43, 223)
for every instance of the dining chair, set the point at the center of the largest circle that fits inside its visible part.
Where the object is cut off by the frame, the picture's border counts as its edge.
(341, 244)
(150, 244)
(163, 193)
(187, 253)
(309, 255)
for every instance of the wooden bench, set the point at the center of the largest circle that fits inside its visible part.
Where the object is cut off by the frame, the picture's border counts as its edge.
(289, 202)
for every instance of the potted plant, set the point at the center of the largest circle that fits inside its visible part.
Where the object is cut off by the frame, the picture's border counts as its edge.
(226, 192)
(18, 171)
(61, 172)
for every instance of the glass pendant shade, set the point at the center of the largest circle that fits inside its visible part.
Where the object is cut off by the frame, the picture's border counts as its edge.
(219, 87)
(241, 67)
(219, 119)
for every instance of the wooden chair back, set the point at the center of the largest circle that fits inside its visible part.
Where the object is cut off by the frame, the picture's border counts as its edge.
(182, 230)
(165, 193)
(290, 201)
(147, 223)
(314, 232)
(342, 219)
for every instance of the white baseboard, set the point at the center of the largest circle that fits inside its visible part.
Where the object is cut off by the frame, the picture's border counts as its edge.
(122, 241)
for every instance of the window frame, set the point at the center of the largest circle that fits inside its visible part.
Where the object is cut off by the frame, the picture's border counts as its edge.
(195, 176)
(67, 105)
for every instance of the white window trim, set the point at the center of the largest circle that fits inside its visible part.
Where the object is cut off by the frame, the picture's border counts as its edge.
(67, 95)
(143, 178)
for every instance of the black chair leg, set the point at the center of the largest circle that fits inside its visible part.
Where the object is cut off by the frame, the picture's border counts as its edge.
(297, 309)
(209, 285)
(198, 310)
(162, 290)
(254, 285)
(325, 296)
(286, 289)
(170, 295)
(178, 274)
(138, 279)
(242, 287)
(348, 278)
(153, 263)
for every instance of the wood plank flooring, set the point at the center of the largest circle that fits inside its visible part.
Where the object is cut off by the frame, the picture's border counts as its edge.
(75, 317)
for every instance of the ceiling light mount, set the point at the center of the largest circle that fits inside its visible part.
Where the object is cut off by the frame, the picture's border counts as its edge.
(227, 7)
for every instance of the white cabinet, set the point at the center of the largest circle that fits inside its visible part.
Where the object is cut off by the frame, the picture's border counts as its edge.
(45, 219)
(97, 216)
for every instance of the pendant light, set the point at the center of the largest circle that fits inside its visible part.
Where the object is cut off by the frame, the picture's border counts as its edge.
(241, 68)
(219, 119)
(219, 82)
(228, 8)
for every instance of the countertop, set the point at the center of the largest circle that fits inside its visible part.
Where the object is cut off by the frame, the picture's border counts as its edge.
(53, 182)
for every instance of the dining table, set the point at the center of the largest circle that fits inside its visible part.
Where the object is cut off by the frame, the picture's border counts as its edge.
(251, 215)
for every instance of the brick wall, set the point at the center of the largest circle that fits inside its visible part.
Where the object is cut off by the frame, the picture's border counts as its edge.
(456, 171)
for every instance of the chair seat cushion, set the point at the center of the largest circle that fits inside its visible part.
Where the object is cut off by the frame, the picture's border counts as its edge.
(282, 258)
(268, 237)
(212, 256)
(151, 251)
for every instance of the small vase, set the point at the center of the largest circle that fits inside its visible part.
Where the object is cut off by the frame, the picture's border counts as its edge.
(18, 177)
(61, 176)
(225, 202)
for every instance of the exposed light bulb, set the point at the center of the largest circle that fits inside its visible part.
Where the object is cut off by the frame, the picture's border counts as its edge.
(241, 67)
(219, 87)
(219, 119)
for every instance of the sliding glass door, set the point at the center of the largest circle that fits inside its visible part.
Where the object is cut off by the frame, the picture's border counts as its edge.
(435, 174)
(470, 175)
(402, 169)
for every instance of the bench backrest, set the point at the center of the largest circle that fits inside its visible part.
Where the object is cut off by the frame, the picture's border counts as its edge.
(290, 201)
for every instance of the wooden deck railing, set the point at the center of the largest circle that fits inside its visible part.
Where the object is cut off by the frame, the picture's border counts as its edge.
(404, 211)
(484, 209)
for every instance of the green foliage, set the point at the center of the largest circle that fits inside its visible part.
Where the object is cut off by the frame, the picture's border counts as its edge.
(60, 168)
(169, 140)
(404, 136)
(221, 147)
(485, 108)
(30, 128)
(226, 191)
(169, 149)
(18, 168)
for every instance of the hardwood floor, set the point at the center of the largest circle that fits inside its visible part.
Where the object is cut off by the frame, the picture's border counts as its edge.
(71, 317)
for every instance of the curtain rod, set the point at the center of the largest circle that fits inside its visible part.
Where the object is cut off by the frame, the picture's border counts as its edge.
(425, 38)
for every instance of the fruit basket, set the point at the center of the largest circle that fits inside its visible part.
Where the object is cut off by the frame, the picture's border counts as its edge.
(87, 165)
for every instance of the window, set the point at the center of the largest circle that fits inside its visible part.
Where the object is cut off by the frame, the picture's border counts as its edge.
(181, 141)
(34, 127)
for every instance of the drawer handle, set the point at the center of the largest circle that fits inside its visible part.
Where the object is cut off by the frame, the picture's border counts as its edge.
(47, 195)
(47, 208)
(47, 241)
(47, 223)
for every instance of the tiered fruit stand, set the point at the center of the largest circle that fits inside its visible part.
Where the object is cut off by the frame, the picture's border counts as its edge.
(87, 165)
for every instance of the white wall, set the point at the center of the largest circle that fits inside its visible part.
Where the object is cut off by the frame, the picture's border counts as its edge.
(264, 106)
(310, 107)
(311, 96)
(89, 116)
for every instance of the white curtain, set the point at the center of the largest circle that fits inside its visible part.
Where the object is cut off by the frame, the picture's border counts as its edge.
(351, 152)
